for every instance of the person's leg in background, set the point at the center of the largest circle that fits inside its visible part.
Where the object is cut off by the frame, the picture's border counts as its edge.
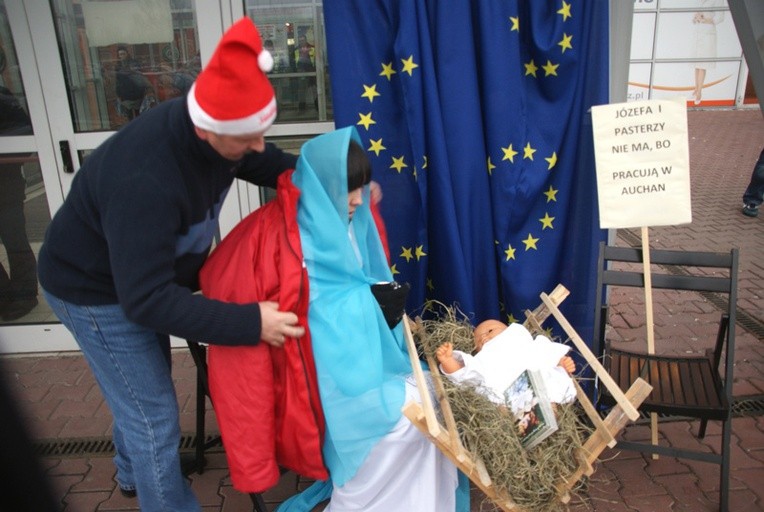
(754, 193)
(133, 369)
(18, 284)
(700, 78)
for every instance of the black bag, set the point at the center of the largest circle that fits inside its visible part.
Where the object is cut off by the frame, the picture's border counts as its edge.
(392, 300)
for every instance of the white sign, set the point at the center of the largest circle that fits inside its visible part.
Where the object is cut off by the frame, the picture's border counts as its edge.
(128, 22)
(643, 163)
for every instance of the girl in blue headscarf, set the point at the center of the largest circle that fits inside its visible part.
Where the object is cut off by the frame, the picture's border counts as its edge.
(377, 459)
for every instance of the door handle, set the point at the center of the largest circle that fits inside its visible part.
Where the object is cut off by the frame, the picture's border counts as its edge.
(66, 156)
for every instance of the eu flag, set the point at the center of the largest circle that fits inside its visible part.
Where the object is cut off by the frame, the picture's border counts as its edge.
(476, 117)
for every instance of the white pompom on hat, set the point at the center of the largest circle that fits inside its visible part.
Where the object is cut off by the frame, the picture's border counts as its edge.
(232, 95)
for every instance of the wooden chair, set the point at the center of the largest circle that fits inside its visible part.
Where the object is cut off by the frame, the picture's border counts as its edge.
(686, 386)
(199, 355)
(446, 437)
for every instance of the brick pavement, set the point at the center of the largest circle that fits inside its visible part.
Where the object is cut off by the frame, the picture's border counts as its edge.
(60, 399)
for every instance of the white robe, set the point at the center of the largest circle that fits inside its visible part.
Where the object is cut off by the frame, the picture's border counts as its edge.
(404, 471)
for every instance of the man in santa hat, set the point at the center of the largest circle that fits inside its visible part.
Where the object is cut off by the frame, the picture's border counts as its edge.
(120, 259)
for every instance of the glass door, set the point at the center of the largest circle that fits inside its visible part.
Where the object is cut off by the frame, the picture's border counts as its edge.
(71, 73)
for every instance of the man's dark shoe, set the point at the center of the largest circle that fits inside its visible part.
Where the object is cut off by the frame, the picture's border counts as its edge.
(127, 493)
(189, 464)
(750, 210)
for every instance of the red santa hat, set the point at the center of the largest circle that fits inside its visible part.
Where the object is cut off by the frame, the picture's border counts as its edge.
(232, 95)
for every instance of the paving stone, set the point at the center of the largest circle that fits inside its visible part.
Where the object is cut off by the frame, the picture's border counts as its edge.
(647, 503)
(77, 501)
(87, 427)
(684, 490)
(69, 467)
(59, 396)
(100, 476)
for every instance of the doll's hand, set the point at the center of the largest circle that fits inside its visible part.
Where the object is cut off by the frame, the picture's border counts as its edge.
(568, 364)
(445, 352)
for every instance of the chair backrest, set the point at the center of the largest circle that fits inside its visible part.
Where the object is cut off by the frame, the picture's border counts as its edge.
(676, 270)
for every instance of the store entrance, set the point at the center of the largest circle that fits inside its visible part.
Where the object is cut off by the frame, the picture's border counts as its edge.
(71, 73)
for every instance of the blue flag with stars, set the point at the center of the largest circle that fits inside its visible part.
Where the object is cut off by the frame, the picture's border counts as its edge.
(476, 118)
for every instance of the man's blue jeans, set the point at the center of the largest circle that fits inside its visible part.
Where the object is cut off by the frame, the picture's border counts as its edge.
(755, 191)
(133, 368)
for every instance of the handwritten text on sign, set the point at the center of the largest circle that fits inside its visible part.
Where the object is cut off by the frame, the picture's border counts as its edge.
(643, 163)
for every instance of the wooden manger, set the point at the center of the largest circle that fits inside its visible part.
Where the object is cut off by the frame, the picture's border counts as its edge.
(446, 437)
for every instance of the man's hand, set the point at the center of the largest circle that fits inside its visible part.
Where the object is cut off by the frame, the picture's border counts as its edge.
(276, 326)
(375, 192)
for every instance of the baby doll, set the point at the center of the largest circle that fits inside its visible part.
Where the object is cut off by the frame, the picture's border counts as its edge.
(502, 353)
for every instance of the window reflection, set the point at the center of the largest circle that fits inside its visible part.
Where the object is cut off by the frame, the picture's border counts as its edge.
(295, 37)
(123, 58)
(23, 206)
(14, 117)
(24, 217)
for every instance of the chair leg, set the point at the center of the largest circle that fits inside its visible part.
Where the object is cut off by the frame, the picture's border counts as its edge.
(201, 407)
(724, 469)
(258, 502)
(702, 429)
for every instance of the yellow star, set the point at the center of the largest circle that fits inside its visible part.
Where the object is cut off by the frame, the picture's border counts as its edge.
(370, 92)
(406, 254)
(515, 23)
(551, 194)
(565, 11)
(509, 154)
(565, 43)
(528, 151)
(387, 70)
(430, 286)
(376, 146)
(550, 69)
(510, 252)
(398, 164)
(366, 120)
(424, 165)
(552, 160)
(546, 221)
(414, 173)
(491, 167)
(394, 270)
(409, 65)
(419, 252)
(531, 68)
(511, 319)
(530, 242)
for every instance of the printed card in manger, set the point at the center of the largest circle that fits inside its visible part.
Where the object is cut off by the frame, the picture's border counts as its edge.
(529, 402)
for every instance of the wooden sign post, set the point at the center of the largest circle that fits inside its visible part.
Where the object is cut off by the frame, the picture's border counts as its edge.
(643, 177)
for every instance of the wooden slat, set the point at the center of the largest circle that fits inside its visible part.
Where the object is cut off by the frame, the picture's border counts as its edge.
(664, 380)
(614, 421)
(682, 385)
(413, 411)
(539, 315)
(445, 407)
(429, 411)
(590, 358)
(675, 377)
(424, 418)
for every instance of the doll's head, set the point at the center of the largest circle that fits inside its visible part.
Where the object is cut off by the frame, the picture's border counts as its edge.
(486, 331)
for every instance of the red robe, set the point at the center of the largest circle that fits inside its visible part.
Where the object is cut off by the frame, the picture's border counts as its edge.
(266, 399)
